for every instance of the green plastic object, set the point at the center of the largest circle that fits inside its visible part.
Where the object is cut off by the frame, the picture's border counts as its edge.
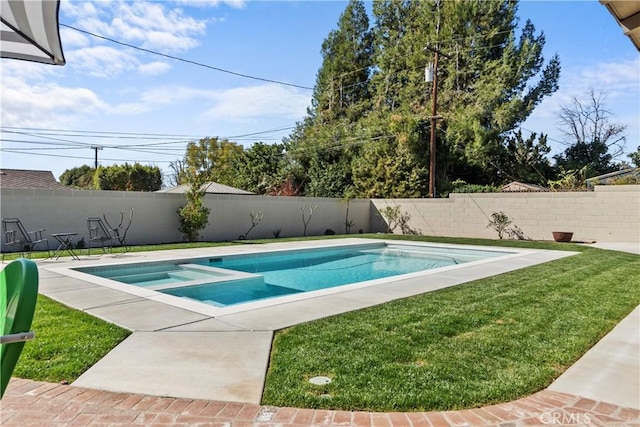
(18, 296)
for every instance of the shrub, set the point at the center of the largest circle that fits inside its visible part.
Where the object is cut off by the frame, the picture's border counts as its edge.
(461, 186)
(394, 218)
(499, 222)
(194, 216)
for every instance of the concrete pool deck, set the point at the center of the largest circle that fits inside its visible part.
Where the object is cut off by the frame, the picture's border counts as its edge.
(224, 358)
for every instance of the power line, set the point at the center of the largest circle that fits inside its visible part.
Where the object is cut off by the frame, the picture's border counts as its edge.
(89, 158)
(41, 132)
(246, 76)
(102, 132)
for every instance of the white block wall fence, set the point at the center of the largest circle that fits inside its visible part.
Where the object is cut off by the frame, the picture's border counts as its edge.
(607, 214)
(156, 219)
(610, 213)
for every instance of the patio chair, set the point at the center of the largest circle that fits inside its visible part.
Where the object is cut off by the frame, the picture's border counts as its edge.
(120, 231)
(18, 295)
(16, 235)
(104, 236)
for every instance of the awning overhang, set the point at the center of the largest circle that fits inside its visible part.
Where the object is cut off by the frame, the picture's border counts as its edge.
(29, 31)
(627, 14)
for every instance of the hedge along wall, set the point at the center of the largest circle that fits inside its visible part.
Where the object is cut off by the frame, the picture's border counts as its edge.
(607, 214)
(156, 219)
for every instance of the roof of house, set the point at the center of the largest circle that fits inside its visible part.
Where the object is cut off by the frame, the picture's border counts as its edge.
(209, 188)
(613, 175)
(627, 15)
(516, 186)
(23, 178)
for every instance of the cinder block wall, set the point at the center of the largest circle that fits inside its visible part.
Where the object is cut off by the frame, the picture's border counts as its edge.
(156, 219)
(607, 214)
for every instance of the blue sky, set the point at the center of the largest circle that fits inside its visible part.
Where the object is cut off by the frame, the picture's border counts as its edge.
(106, 87)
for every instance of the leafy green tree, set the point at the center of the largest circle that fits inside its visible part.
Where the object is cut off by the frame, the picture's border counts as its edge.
(489, 82)
(259, 168)
(593, 157)
(213, 159)
(128, 177)
(389, 167)
(144, 178)
(593, 140)
(194, 216)
(342, 81)
(329, 173)
(525, 160)
(341, 97)
(79, 177)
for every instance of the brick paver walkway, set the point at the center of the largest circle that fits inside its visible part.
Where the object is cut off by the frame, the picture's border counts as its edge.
(33, 403)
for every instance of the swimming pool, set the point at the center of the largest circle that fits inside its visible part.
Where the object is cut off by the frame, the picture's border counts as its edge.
(229, 280)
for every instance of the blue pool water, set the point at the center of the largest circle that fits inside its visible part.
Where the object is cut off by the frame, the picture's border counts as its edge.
(236, 279)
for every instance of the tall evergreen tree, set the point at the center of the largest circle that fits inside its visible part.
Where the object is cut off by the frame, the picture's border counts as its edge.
(340, 97)
(489, 81)
(485, 86)
(342, 81)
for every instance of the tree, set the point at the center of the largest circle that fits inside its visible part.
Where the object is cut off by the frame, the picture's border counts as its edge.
(179, 175)
(128, 177)
(259, 167)
(489, 83)
(340, 97)
(389, 164)
(342, 80)
(525, 160)
(635, 157)
(80, 177)
(593, 140)
(212, 159)
(194, 216)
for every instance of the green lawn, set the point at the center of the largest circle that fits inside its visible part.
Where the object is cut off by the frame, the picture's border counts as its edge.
(487, 341)
(67, 343)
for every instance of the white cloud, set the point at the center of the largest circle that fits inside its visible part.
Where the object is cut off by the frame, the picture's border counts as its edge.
(238, 4)
(620, 82)
(26, 69)
(77, 9)
(46, 105)
(72, 39)
(255, 101)
(102, 61)
(151, 25)
(236, 104)
(154, 68)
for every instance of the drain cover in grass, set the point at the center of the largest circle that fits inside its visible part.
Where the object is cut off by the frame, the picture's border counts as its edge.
(320, 380)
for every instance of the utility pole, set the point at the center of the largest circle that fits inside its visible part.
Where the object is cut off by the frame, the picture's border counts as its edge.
(96, 148)
(432, 145)
(431, 75)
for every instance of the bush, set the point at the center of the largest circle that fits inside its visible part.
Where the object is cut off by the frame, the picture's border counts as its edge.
(499, 222)
(461, 186)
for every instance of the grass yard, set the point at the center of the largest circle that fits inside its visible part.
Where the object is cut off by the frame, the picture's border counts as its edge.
(67, 343)
(488, 341)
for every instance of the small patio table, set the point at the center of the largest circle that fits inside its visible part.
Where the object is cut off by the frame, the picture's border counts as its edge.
(66, 244)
